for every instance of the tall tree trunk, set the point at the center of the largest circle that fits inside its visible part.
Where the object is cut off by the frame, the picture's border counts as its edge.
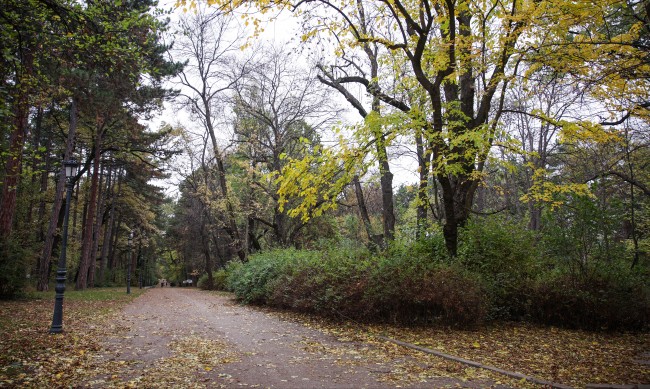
(108, 226)
(35, 162)
(388, 207)
(45, 179)
(86, 246)
(630, 166)
(112, 264)
(115, 227)
(205, 242)
(219, 253)
(535, 221)
(44, 260)
(97, 229)
(16, 144)
(386, 177)
(422, 198)
(231, 227)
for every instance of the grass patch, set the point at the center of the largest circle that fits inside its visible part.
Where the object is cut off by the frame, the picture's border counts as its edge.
(95, 294)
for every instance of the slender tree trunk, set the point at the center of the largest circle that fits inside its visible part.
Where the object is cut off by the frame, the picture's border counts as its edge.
(108, 226)
(111, 256)
(219, 254)
(45, 179)
(376, 241)
(535, 221)
(386, 177)
(115, 226)
(44, 260)
(253, 242)
(634, 236)
(205, 242)
(422, 198)
(35, 163)
(97, 229)
(231, 227)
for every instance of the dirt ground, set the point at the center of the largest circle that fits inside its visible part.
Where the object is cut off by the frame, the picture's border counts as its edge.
(189, 338)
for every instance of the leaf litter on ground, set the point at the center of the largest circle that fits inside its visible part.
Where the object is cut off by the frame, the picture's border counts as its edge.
(569, 357)
(31, 357)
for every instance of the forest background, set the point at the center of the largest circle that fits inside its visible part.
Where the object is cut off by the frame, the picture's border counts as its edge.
(526, 121)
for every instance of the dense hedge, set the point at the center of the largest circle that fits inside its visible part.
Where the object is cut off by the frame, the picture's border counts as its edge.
(603, 301)
(357, 285)
(498, 274)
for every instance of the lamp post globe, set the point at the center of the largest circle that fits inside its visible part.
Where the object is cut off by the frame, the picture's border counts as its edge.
(70, 171)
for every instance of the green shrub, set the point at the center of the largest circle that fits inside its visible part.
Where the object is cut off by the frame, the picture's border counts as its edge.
(249, 280)
(505, 254)
(326, 282)
(219, 281)
(353, 284)
(498, 274)
(12, 268)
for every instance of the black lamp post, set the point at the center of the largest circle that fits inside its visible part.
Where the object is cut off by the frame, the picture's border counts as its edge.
(128, 271)
(70, 170)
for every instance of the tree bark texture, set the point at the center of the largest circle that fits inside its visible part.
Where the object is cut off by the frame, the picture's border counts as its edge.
(88, 224)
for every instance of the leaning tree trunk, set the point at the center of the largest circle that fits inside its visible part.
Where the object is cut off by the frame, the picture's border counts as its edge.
(376, 240)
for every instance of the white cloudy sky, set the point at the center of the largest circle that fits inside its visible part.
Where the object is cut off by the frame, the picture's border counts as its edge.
(284, 31)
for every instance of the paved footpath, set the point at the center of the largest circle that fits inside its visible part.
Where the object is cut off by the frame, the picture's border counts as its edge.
(187, 337)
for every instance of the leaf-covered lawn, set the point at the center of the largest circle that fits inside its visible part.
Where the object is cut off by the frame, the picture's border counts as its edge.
(569, 357)
(31, 356)
(574, 358)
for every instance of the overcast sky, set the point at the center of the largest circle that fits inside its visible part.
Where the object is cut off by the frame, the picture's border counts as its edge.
(283, 31)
